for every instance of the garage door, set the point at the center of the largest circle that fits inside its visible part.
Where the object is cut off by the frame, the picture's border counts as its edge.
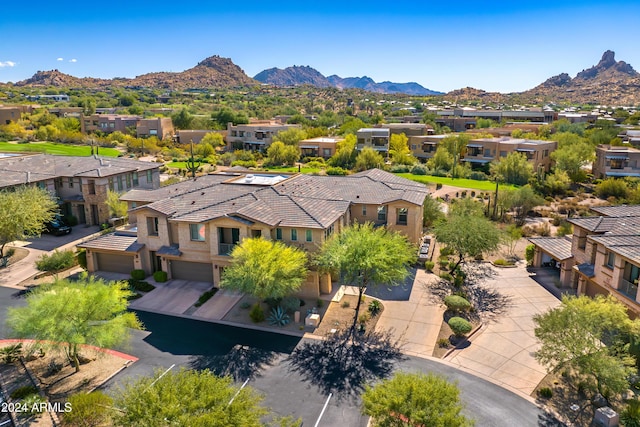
(115, 263)
(195, 271)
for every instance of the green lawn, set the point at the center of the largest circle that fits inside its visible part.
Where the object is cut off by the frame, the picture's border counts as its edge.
(56, 149)
(457, 182)
(181, 165)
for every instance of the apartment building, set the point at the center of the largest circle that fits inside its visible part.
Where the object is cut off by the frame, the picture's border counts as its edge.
(602, 256)
(189, 229)
(160, 127)
(376, 138)
(324, 146)
(616, 161)
(79, 183)
(462, 119)
(423, 147)
(10, 114)
(482, 151)
(256, 135)
(409, 129)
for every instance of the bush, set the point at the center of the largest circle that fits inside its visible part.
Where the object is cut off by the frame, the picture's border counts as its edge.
(257, 314)
(345, 304)
(529, 253)
(630, 415)
(245, 163)
(375, 307)
(399, 169)
(364, 317)
(138, 274)
(419, 170)
(140, 285)
(245, 305)
(446, 276)
(320, 303)
(456, 303)
(545, 392)
(81, 258)
(57, 261)
(502, 262)
(443, 343)
(205, 297)
(459, 326)
(564, 229)
(337, 171)
(612, 187)
(11, 353)
(446, 251)
(22, 392)
(429, 265)
(290, 304)
(89, 409)
(160, 276)
(478, 176)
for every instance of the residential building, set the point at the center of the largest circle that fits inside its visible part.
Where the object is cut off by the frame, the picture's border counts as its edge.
(409, 129)
(108, 123)
(376, 138)
(79, 183)
(9, 114)
(630, 136)
(616, 161)
(324, 146)
(602, 256)
(423, 147)
(462, 119)
(189, 229)
(256, 135)
(160, 127)
(482, 151)
(509, 128)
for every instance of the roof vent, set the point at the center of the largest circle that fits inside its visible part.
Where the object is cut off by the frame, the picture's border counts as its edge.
(193, 202)
(249, 177)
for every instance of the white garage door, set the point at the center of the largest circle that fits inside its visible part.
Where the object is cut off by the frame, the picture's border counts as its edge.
(195, 271)
(115, 263)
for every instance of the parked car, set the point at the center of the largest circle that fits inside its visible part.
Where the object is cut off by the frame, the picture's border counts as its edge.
(57, 227)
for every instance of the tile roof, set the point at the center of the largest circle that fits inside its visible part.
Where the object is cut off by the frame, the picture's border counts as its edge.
(603, 224)
(300, 201)
(619, 211)
(114, 242)
(13, 170)
(557, 247)
(626, 245)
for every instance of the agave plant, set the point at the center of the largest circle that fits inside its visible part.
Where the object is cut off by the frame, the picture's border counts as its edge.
(278, 317)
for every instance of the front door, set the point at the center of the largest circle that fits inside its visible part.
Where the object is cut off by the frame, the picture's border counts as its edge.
(95, 220)
(156, 262)
(82, 217)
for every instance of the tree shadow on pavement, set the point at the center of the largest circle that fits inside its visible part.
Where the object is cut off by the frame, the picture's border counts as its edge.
(346, 361)
(241, 363)
(487, 302)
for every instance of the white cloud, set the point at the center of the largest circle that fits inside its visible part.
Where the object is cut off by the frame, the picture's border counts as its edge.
(60, 59)
(7, 64)
(73, 60)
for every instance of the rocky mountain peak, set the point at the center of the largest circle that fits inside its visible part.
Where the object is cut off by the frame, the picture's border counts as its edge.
(607, 64)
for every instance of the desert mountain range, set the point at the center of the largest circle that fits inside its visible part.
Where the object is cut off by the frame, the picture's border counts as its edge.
(609, 82)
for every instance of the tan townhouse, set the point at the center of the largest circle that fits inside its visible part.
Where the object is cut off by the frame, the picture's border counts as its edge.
(79, 183)
(189, 229)
(323, 146)
(482, 151)
(616, 161)
(254, 136)
(376, 138)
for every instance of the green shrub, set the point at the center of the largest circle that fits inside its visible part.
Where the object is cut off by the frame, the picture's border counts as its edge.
(57, 261)
(337, 171)
(443, 343)
(245, 305)
(630, 415)
(375, 307)
(345, 304)
(257, 314)
(319, 303)
(419, 170)
(206, 296)
(446, 276)
(529, 252)
(452, 265)
(429, 265)
(11, 353)
(444, 263)
(33, 403)
(446, 251)
(564, 229)
(459, 326)
(399, 169)
(138, 274)
(364, 317)
(140, 285)
(545, 392)
(81, 258)
(160, 276)
(502, 262)
(478, 176)
(612, 187)
(457, 303)
(89, 409)
(22, 392)
(290, 304)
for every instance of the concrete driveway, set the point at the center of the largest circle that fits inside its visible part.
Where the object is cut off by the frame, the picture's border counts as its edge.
(504, 349)
(172, 297)
(49, 242)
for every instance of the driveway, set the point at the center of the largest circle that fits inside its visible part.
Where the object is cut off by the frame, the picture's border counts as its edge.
(172, 297)
(49, 242)
(504, 349)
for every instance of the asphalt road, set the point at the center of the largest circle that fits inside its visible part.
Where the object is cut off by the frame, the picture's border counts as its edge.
(261, 358)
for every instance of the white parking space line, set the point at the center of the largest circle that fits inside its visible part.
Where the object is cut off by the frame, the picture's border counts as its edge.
(323, 409)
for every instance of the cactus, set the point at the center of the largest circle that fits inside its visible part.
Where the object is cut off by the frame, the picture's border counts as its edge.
(278, 317)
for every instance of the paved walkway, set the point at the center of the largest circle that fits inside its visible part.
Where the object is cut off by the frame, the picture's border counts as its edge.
(415, 323)
(503, 350)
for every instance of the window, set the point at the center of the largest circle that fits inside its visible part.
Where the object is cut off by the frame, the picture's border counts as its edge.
(617, 163)
(487, 152)
(582, 242)
(197, 232)
(545, 153)
(152, 226)
(70, 182)
(328, 231)
(402, 214)
(382, 213)
(57, 183)
(92, 186)
(326, 152)
(309, 236)
(611, 259)
(149, 176)
(294, 235)
(111, 184)
(503, 154)
(364, 210)
(135, 179)
(278, 233)
(120, 186)
(128, 178)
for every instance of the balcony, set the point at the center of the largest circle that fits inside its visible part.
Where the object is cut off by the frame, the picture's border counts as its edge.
(628, 289)
(225, 248)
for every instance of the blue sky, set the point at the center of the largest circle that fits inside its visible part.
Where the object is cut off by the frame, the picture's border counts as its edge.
(490, 45)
